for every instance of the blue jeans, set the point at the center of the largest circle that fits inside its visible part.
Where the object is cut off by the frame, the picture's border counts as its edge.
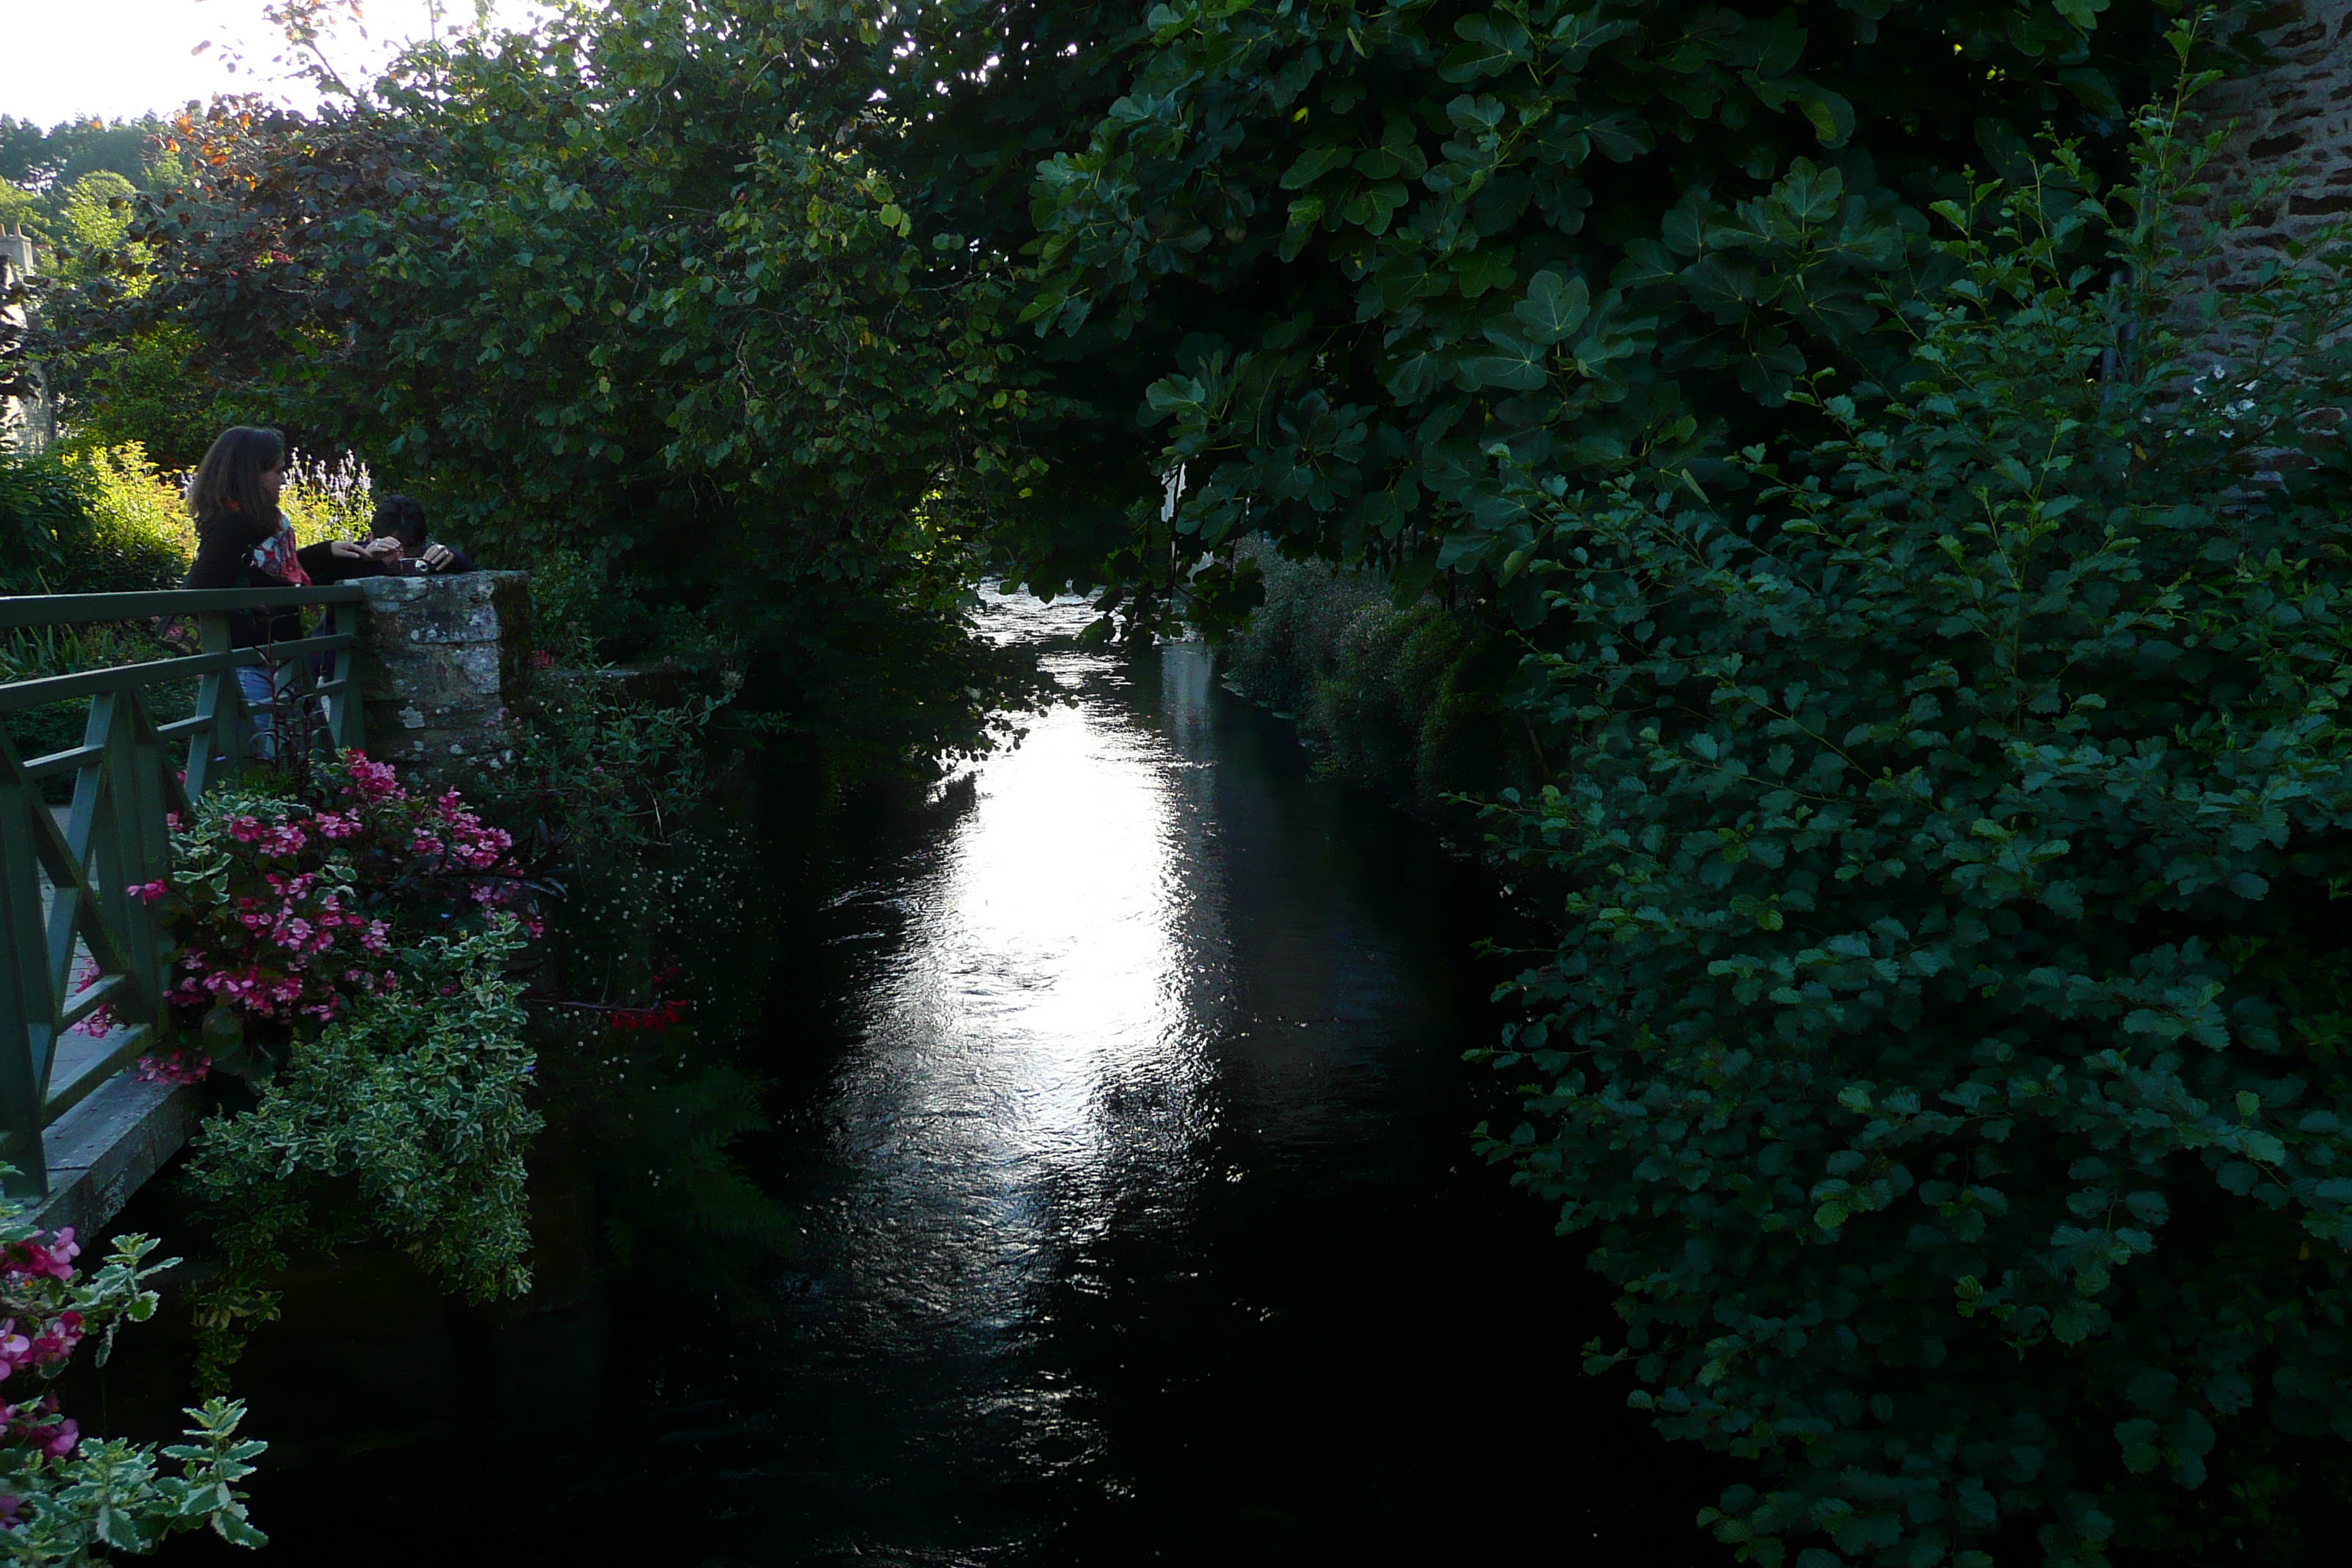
(257, 683)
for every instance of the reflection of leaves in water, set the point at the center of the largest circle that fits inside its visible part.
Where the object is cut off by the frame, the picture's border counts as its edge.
(658, 1113)
(676, 1198)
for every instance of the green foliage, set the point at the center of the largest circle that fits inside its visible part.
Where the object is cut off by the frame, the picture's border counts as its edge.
(85, 523)
(636, 287)
(528, 282)
(113, 1496)
(88, 521)
(1944, 1049)
(140, 391)
(668, 948)
(93, 214)
(606, 771)
(139, 534)
(45, 174)
(45, 512)
(65, 1498)
(19, 208)
(408, 1120)
(1362, 262)
(74, 188)
(1406, 700)
(701, 1216)
(58, 157)
(564, 595)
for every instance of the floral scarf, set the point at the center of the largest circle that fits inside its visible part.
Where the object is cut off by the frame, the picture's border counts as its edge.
(276, 556)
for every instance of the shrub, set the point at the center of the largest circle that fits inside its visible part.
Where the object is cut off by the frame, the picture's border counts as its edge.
(282, 910)
(609, 772)
(91, 521)
(1945, 1047)
(343, 943)
(1405, 701)
(139, 536)
(141, 388)
(86, 521)
(44, 508)
(63, 1497)
(407, 1119)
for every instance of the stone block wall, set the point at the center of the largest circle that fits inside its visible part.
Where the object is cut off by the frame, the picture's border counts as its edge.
(444, 662)
(2295, 114)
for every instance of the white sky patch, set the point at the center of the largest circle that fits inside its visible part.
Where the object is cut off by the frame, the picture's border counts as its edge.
(60, 59)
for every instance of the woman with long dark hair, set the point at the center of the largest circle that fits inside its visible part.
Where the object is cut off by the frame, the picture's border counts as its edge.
(243, 541)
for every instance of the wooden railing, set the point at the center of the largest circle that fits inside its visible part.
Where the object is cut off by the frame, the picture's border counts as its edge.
(73, 938)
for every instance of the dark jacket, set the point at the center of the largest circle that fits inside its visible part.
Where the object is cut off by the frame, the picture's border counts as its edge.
(325, 566)
(224, 560)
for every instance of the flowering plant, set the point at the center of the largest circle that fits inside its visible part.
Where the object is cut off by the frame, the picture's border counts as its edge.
(63, 1496)
(410, 1118)
(282, 910)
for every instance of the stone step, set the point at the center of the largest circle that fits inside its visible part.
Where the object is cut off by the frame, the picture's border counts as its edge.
(101, 1150)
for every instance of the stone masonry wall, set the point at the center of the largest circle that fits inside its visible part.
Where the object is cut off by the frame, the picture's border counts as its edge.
(2297, 113)
(444, 660)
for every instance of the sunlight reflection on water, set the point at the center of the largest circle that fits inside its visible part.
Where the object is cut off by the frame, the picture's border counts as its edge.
(1037, 1059)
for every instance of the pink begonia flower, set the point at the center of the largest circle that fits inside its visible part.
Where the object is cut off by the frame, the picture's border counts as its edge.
(56, 1341)
(174, 1067)
(55, 1439)
(373, 780)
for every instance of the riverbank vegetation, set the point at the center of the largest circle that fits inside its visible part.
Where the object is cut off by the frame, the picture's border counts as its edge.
(1940, 1047)
(71, 1500)
(1786, 457)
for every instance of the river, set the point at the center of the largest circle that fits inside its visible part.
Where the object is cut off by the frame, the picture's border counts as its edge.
(1119, 1116)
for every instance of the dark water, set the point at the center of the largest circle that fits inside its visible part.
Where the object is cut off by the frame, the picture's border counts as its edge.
(1122, 1115)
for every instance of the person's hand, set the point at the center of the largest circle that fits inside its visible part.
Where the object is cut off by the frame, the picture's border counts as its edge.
(385, 551)
(435, 557)
(348, 549)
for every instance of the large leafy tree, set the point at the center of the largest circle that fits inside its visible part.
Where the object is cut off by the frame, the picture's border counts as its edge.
(637, 262)
(1349, 264)
(634, 285)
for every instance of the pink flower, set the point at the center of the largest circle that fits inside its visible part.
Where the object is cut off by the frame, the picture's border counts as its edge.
(285, 841)
(373, 780)
(174, 1067)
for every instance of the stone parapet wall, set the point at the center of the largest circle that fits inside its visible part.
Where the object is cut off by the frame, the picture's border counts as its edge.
(443, 663)
(2296, 117)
